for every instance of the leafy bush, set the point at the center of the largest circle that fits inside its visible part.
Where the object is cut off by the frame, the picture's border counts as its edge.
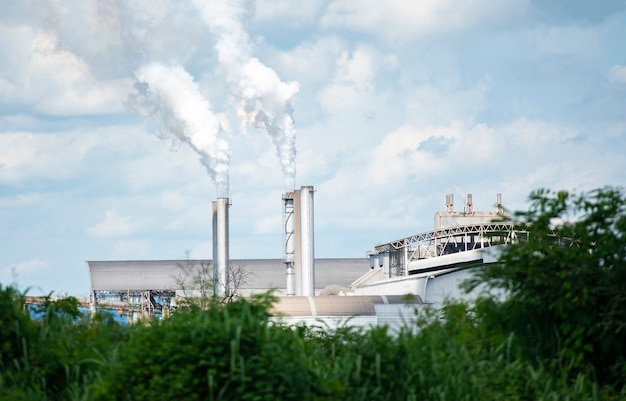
(566, 284)
(445, 358)
(235, 352)
(54, 357)
(227, 352)
(15, 326)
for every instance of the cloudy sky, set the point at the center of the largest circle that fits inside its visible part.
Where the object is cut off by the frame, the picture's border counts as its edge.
(120, 121)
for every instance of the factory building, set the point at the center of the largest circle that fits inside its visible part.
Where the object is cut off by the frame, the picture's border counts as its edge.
(382, 288)
(432, 264)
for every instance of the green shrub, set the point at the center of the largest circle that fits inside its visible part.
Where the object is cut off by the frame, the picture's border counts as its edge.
(565, 284)
(235, 352)
(227, 352)
(54, 357)
(16, 328)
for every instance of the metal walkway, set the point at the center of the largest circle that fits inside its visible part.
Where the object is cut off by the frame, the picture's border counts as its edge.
(445, 241)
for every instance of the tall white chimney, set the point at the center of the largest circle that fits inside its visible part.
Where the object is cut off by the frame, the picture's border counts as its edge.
(299, 241)
(221, 284)
(305, 258)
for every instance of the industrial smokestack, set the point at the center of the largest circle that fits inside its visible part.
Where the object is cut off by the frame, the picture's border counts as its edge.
(221, 284)
(299, 244)
(290, 242)
(305, 257)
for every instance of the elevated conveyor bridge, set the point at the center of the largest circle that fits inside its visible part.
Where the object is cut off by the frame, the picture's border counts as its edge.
(395, 256)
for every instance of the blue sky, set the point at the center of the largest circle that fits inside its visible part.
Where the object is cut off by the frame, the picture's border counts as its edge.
(120, 121)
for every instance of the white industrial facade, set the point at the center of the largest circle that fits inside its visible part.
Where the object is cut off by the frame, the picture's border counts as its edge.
(152, 285)
(142, 281)
(424, 268)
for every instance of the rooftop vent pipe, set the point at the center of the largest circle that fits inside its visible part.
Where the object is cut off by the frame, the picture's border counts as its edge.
(450, 203)
(469, 207)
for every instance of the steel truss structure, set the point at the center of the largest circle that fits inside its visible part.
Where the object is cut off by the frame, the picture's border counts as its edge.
(446, 241)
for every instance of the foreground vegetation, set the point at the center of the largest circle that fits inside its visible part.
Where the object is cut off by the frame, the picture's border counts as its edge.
(558, 335)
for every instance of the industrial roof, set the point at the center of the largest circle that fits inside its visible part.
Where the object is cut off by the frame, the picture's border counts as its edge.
(262, 274)
(338, 305)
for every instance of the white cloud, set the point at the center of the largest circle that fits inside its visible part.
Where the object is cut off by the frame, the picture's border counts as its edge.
(427, 151)
(25, 155)
(52, 80)
(297, 62)
(435, 103)
(353, 82)
(414, 165)
(112, 225)
(404, 20)
(458, 149)
(63, 155)
(617, 73)
(304, 12)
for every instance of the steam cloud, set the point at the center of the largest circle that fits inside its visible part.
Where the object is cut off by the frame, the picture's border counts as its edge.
(171, 93)
(264, 100)
(157, 37)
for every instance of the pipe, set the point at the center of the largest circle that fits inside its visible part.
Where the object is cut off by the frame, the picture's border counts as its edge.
(499, 208)
(450, 203)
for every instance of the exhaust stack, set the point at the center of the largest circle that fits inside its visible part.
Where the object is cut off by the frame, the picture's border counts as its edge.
(290, 242)
(306, 260)
(299, 243)
(221, 276)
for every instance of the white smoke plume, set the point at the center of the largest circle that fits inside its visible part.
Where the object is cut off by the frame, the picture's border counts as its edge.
(143, 36)
(171, 93)
(264, 100)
